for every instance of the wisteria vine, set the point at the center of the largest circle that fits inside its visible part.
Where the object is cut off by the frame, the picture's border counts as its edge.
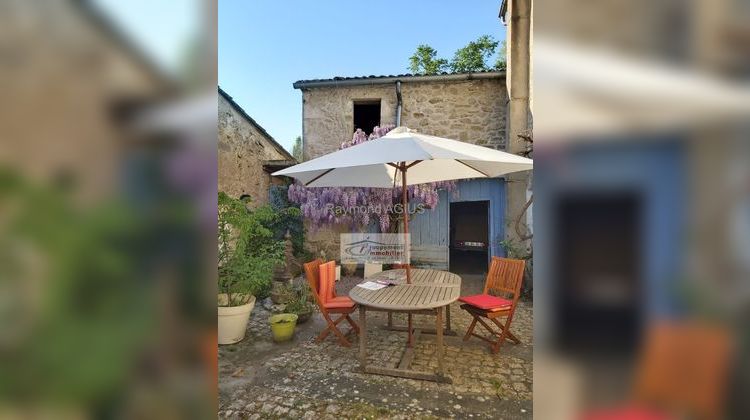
(316, 202)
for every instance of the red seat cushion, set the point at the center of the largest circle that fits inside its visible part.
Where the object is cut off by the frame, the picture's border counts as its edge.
(487, 302)
(339, 302)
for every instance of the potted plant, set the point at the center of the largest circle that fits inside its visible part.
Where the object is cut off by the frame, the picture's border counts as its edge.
(248, 253)
(282, 326)
(349, 268)
(300, 304)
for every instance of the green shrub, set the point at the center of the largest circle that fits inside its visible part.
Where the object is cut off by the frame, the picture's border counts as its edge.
(248, 249)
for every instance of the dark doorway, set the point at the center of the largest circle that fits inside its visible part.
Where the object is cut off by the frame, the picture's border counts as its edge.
(469, 237)
(598, 291)
(366, 115)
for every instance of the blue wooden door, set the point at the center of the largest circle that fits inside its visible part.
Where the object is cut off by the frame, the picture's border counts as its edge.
(430, 230)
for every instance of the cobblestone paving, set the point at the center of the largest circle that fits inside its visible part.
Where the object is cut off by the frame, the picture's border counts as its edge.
(304, 379)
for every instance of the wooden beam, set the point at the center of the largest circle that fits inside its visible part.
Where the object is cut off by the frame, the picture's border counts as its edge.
(363, 337)
(408, 355)
(410, 374)
(432, 331)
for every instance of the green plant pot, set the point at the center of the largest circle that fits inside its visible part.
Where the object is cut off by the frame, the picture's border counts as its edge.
(282, 326)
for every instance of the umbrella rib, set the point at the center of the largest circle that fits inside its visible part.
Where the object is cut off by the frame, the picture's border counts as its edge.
(466, 164)
(318, 177)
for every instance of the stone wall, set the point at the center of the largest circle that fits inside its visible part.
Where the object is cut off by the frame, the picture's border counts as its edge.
(65, 82)
(242, 150)
(471, 111)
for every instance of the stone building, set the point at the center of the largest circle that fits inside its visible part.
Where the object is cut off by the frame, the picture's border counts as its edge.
(247, 154)
(70, 82)
(468, 107)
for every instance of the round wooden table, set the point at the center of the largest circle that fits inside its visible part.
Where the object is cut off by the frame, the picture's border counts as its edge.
(430, 293)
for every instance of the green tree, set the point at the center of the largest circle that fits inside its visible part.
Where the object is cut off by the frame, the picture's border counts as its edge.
(424, 61)
(297, 149)
(473, 57)
(501, 62)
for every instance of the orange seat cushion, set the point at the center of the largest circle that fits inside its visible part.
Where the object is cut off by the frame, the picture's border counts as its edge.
(625, 413)
(487, 302)
(339, 302)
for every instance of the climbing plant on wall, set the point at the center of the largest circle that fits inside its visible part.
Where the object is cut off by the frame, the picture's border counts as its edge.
(331, 205)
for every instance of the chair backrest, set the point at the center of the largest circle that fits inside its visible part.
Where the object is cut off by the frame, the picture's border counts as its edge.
(684, 368)
(505, 277)
(312, 273)
(327, 281)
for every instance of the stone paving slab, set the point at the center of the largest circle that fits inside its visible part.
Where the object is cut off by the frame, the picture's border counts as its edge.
(304, 379)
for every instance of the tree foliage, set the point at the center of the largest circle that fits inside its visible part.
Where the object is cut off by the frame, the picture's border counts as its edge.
(475, 56)
(424, 61)
(297, 149)
(501, 61)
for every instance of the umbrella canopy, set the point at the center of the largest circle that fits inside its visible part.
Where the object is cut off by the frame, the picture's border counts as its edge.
(376, 163)
(385, 161)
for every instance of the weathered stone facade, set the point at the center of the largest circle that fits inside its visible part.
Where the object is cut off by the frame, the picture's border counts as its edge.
(468, 109)
(70, 85)
(243, 148)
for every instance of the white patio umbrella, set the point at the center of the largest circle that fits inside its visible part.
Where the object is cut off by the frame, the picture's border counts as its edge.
(378, 163)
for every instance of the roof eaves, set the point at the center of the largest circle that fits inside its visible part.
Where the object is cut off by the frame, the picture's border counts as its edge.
(406, 78)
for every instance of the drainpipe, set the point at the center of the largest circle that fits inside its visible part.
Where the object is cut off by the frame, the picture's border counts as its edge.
(398, 103)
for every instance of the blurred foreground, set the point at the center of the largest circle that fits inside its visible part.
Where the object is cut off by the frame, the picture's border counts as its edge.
(642, 215)
(107, 219)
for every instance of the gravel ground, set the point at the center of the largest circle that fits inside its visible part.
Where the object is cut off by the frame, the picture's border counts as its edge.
(260, 379)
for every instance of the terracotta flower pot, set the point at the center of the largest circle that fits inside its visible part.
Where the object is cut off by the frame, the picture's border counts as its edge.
(233, 319)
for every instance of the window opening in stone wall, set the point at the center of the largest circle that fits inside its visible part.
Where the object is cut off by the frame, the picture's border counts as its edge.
(366, 115)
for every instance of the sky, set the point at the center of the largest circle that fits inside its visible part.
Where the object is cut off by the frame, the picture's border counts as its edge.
(266, 45)
(162, 29)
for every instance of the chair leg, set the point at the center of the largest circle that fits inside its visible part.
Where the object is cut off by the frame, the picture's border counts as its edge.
(342, 339)
(505, 328)
(496, 338)
(351, 322)
(332, 328)
(505, 331)
(494, 345)
(471, 328)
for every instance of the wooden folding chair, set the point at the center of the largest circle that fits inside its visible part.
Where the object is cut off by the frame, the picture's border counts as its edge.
(499, 299)
(321, 277)
(683, 372)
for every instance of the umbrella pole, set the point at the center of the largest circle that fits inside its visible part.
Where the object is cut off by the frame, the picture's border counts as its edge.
(405, 204)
